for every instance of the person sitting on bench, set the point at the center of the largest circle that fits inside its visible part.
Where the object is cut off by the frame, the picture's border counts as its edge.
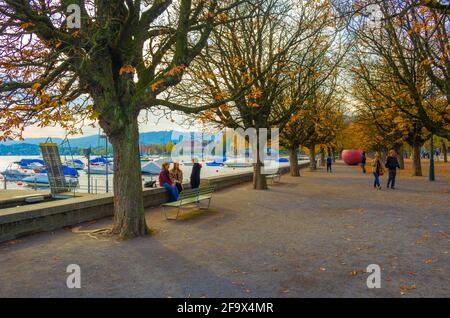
(166, 182)
(176, 175)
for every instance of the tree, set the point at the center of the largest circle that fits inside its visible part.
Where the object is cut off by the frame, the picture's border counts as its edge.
(254, 59)
(381, 115)
(121, 60)
(413, 46)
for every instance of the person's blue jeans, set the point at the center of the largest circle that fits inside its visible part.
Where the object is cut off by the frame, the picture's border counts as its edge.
(377, 179)
(391, 180)
(172, 190)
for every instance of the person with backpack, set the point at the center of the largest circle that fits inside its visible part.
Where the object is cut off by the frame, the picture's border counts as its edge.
(363, 162)
(392, 165)
(378, 171)
(329, 163)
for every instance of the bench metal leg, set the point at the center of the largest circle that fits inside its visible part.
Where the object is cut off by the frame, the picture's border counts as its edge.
(176, 217)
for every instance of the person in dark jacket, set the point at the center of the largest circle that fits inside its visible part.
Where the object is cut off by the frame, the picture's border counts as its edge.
(329, 163)
(166, 182)
(363, 162)
(392, 165)
(377, 169)
(195, 174)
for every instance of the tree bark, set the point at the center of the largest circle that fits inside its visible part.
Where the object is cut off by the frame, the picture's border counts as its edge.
(401, 159)
(312, 158)
(444, 150)
(129, 218)
(417, 166)
(322, 156)
(293, 160)
(259, 180)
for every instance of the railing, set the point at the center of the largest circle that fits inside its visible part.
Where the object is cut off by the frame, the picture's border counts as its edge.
(95, 185)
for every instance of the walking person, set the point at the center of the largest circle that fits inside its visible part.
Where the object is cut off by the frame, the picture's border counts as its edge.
(378, 171)
(392, 165)
(176, 175)
(166, 182)
(195, 174)
(329, 163)
(363, 162)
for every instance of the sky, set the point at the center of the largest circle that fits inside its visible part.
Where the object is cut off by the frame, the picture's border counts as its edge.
(152, 124)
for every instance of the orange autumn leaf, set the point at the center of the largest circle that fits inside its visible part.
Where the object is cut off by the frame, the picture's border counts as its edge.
(127, 69)
(406, 287)
(156, 85)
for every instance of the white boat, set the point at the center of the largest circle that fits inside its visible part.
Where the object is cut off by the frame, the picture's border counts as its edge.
(75, 164)
(31, 164)
(41, 180)
(151, 168)
(15, 173)
(100, 169)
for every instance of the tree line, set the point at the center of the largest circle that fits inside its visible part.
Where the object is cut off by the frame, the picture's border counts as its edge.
(234, 63)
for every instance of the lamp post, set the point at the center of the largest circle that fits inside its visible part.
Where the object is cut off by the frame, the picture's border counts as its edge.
(87, 154)
(431, 175)
(107, 162)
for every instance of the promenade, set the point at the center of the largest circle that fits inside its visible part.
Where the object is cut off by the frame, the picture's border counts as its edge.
(311, 236)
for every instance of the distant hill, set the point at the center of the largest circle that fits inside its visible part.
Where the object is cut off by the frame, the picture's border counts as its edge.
(152, 137)
(30, 146)
(21, 149)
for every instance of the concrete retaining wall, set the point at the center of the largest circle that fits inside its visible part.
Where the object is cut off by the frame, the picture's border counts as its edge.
(49, 216)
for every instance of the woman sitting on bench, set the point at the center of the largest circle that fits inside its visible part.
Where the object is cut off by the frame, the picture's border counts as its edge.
(166, 182)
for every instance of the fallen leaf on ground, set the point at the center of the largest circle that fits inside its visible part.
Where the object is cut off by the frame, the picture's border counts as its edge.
(406, 287)
(429, 261)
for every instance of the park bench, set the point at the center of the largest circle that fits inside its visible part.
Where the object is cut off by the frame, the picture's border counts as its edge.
(274, 176)
(190, 196)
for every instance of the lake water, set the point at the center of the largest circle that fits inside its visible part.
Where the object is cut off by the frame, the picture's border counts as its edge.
(98, 182)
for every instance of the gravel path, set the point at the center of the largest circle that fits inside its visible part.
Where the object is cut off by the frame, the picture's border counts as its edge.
(311, 236)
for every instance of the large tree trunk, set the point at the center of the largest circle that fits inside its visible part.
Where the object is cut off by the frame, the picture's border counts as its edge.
(312, 158)
(293, 160)
(259, 179)
(444, 150)
(333, 152)
(322, 156)
(401, 159)
(417, 166)
(129, 218)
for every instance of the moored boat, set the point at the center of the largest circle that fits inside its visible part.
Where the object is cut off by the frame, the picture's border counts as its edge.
(14, 173)
(75, 164)
(31, 164)
(151, 168)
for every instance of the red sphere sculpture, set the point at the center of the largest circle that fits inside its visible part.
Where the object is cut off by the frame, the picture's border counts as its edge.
(352, 157)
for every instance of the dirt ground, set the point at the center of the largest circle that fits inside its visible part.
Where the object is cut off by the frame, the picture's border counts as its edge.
(312, 236)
